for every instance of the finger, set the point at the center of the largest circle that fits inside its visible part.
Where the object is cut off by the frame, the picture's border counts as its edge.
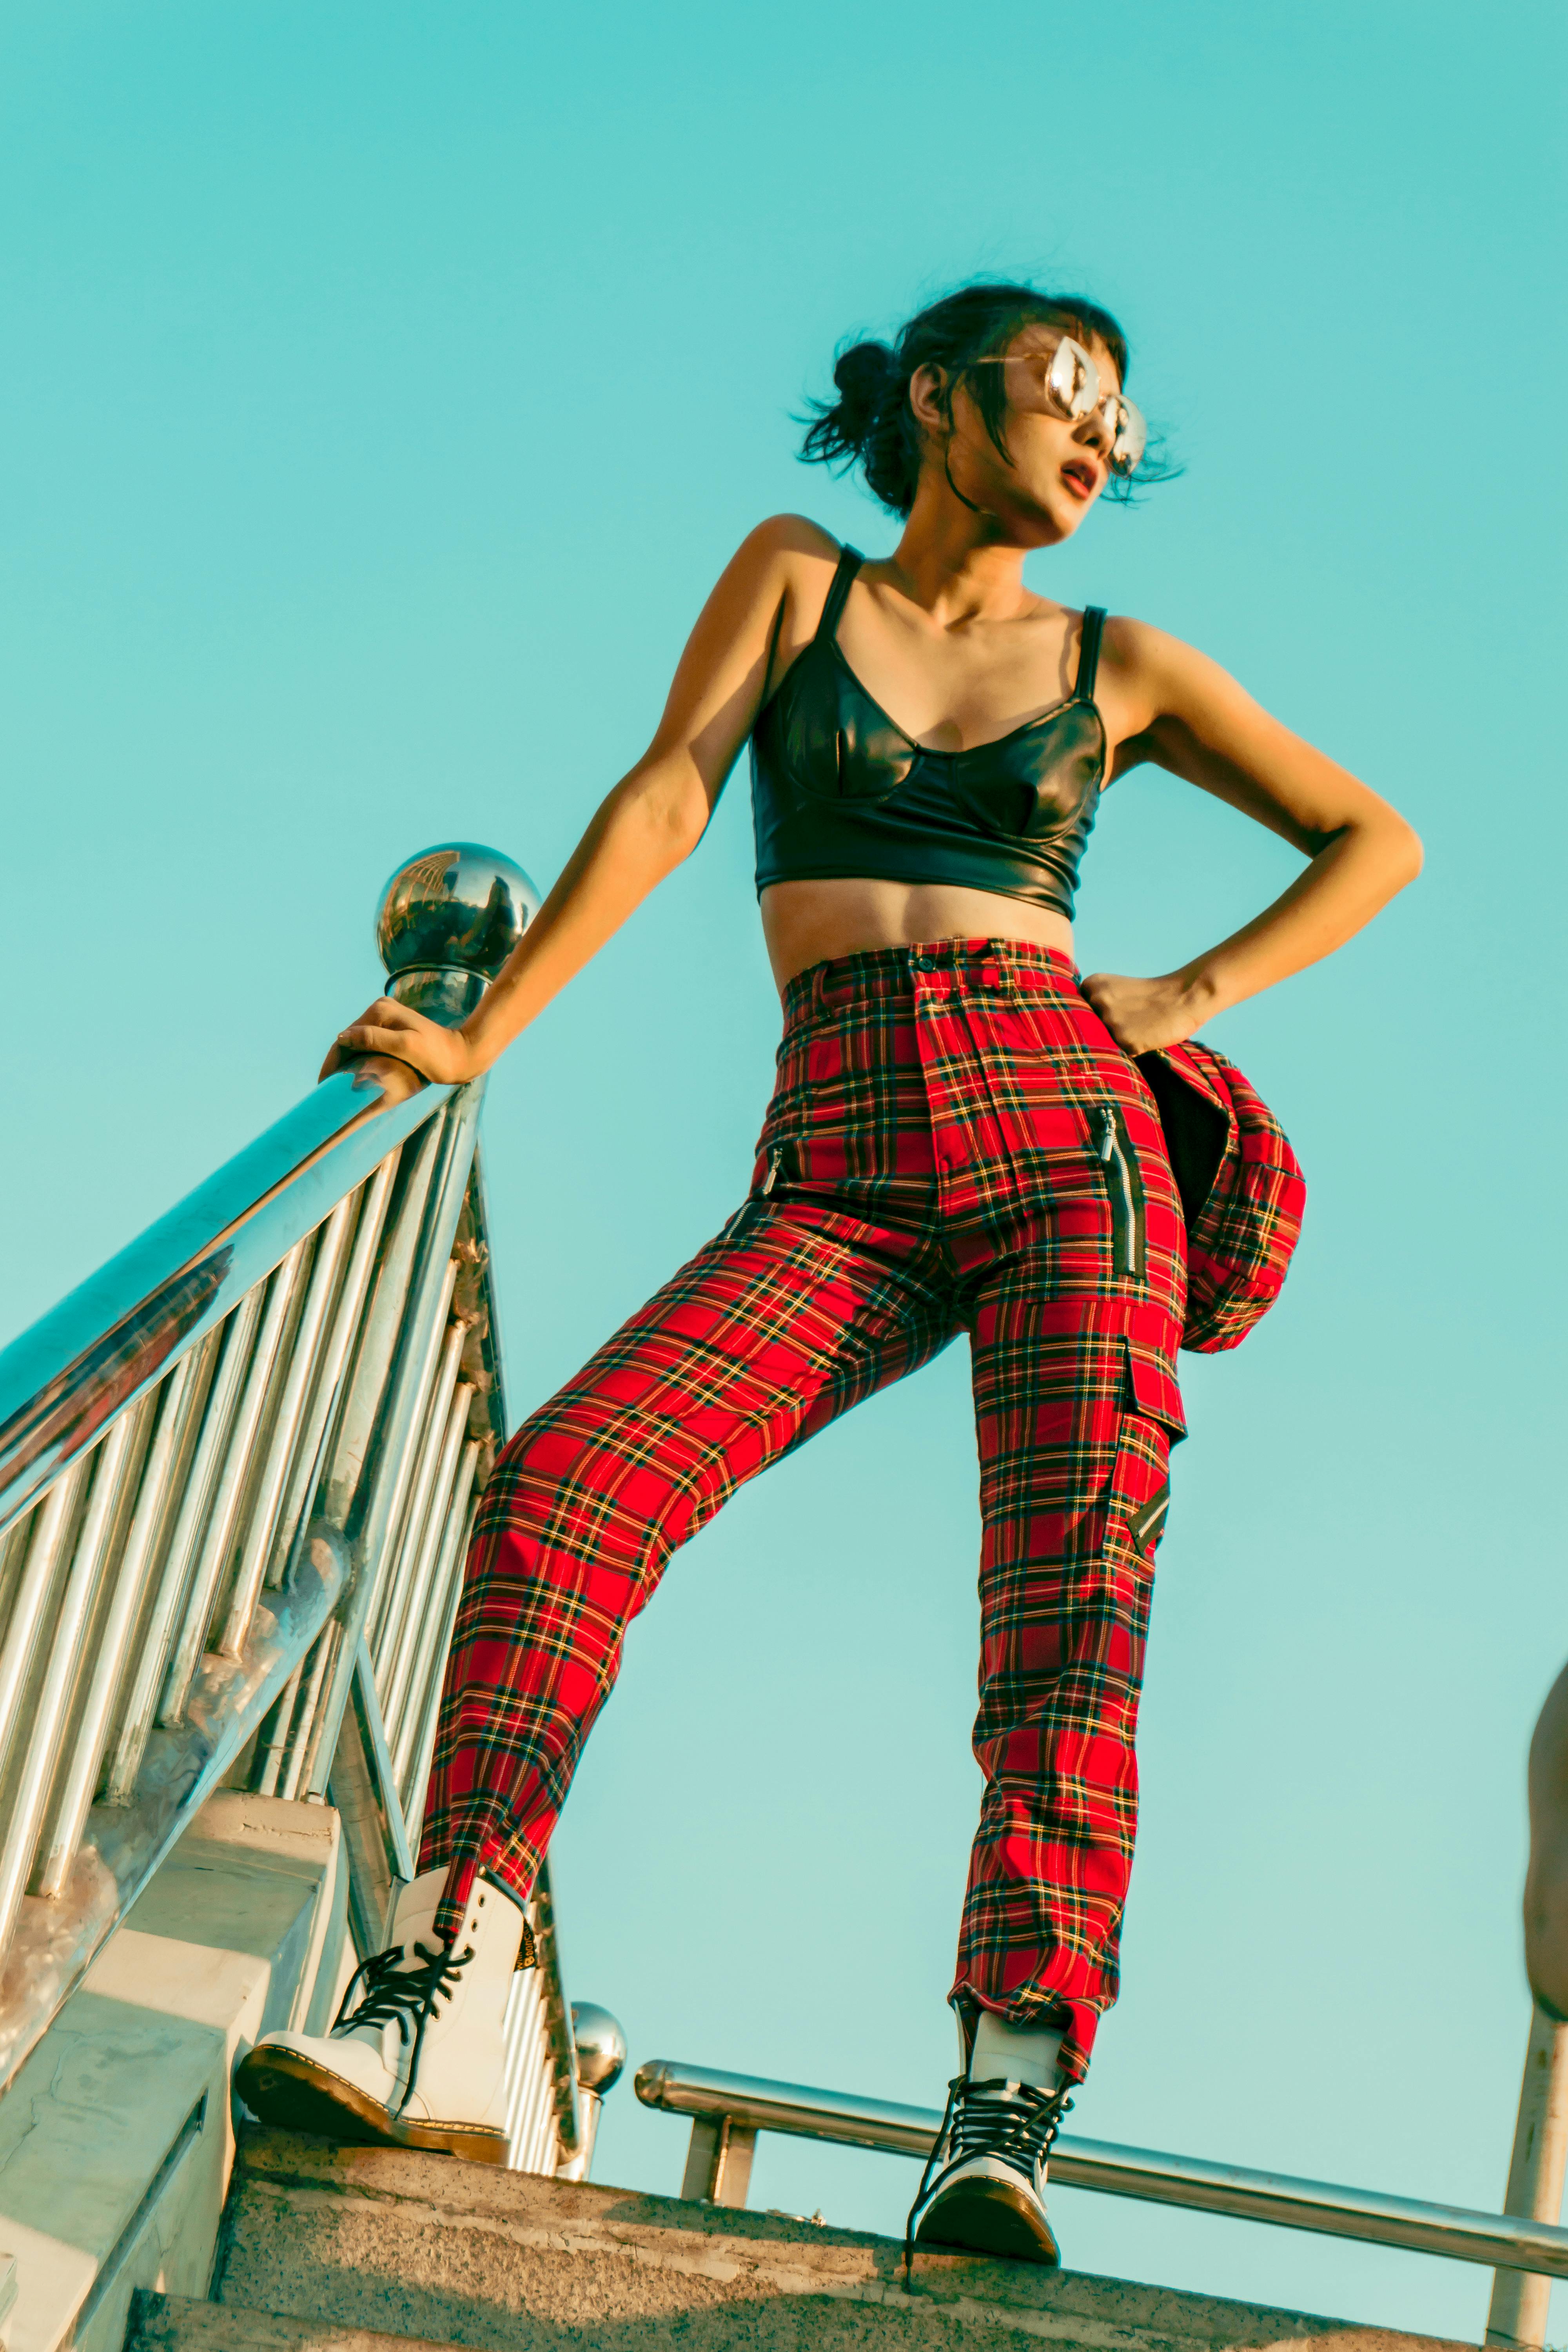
(384, 1013)
(372, 1037)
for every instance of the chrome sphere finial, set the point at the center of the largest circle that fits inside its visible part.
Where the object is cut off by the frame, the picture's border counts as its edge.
(448, 921)
(601, 2046)
(456, 904)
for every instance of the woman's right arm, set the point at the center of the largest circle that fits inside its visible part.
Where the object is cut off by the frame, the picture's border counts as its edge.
(651, 821)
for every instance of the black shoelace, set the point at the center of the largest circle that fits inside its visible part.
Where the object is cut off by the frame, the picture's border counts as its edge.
(400, 1996)
(1012, 2121)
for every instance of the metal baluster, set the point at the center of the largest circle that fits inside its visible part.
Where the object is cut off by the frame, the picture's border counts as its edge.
(514, 2046)
(542, 2131)
(516, 2080)
(320, 1659)
(136, 1723)
(51, 1519)
(131, 1576)
(409, 1389)
(416, 1738)
(345, 1326)
(539, 2132)
(308, 1739)
(267, 1501)
(387, 1609)
(397, 1679)
(422, 1501)
(382, 1325)
(13, 1551)
(47, 1723)
(273, 1739)
(214, 1556)
(1522, 2299)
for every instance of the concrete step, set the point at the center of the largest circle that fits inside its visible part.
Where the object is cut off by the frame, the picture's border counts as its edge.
(175, 2323)
(428, 2247)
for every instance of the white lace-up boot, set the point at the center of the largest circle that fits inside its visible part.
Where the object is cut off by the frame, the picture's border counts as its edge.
(415, 2057)
(1003, 2110)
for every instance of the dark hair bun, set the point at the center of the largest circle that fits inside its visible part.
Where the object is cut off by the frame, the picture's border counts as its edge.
(863, 375)
(866, 427)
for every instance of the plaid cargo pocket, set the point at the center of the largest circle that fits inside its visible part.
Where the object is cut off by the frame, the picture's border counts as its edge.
(1151, 1424)
(1140, 1483)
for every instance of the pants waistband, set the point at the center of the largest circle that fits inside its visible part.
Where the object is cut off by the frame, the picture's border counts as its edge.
(895, 972)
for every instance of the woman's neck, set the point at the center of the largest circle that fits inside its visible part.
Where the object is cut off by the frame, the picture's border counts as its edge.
(952, 563)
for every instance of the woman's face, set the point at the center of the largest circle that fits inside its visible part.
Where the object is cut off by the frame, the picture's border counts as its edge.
(1058, 468)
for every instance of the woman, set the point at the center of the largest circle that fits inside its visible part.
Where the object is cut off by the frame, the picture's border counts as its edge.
(959, 1139)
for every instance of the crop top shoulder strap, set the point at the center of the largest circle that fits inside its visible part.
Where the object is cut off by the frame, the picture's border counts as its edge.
(1088, 653)
(849, 561)
(845, 577)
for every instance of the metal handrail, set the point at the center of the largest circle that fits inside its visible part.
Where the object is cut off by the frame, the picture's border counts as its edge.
(748, 2103)
(64, 1381)
(237, 1469)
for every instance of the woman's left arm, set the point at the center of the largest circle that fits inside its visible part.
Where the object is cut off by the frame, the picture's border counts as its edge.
(1183, 712)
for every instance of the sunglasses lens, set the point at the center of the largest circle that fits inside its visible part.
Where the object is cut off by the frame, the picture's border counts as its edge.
(1073, 380)
(1129, 434)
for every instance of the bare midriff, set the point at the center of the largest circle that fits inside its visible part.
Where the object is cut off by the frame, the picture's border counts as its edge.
(809, 922)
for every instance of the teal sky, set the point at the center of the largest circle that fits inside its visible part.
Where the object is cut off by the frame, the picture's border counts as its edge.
(383, 388)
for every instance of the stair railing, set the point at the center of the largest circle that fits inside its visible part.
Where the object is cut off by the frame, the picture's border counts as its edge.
(727, 2111)
(237, 1469)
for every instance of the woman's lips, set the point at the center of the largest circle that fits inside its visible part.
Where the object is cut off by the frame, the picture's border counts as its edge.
(1080, 478)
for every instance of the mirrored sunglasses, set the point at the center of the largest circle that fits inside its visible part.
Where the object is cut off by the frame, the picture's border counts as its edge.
(1064, 382)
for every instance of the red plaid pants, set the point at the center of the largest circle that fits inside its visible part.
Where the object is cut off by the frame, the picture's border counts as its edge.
(955, 1143)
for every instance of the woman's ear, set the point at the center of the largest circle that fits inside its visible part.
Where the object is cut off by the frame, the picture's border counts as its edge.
(928, 399)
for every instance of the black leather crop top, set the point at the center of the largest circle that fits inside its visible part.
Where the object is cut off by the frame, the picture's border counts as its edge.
(838, 788)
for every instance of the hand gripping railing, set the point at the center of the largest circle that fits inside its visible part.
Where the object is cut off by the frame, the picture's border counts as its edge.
(236, 1471)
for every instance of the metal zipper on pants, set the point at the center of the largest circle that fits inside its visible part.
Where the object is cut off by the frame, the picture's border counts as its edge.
(1124, 1185)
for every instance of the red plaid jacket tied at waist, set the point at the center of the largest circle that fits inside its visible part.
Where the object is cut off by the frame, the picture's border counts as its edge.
(1242, 1191)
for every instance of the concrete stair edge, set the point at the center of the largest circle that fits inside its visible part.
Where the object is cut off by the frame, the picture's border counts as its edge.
(182, 2323)
(436, 2249)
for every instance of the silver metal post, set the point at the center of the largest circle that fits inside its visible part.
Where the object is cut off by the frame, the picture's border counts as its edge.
(214, 1555)
(64, 1835)
(419, 1357)
(136, 1721)
(398, 1662)
(387, 1610)
(293, 1771)
(601, 2046)
(277, 1739)
(44, 1547)
(267, 1501)
(415, 1367)
(416, 1741)
(1520, 2298)
(719, 2160)
(302, 1773)
(382, 1321)
(47, 1725)
(345, 1326)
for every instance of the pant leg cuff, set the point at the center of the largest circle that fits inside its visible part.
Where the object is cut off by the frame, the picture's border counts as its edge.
(513, 1878)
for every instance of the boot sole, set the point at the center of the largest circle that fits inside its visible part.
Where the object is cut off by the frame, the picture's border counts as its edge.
(986, 2217)
(290, 2092)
